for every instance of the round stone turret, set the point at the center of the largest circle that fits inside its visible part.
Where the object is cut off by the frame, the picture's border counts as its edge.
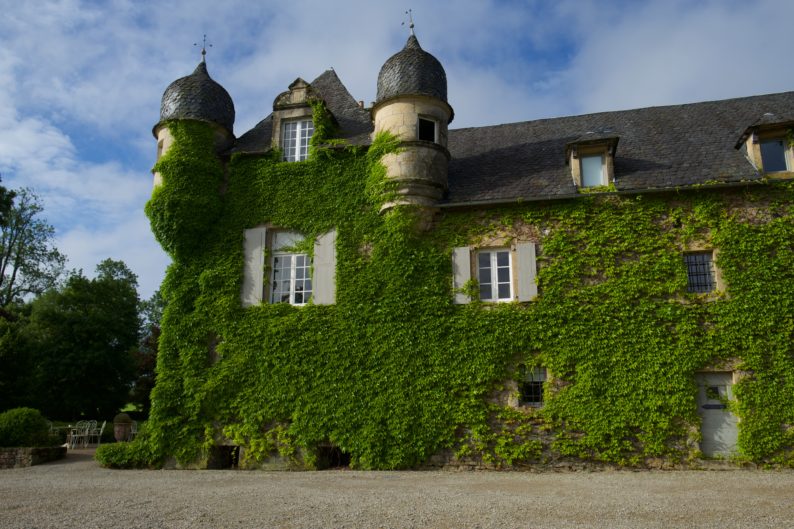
(196, 97)
(412, 105)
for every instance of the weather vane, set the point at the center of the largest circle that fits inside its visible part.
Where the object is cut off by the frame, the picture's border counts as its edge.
(410, 21)
(203, 47)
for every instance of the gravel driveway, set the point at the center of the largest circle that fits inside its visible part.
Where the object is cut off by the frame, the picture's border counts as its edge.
(76, 492)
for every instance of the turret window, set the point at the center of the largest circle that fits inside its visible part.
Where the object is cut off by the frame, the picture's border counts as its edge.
(295, 139)
(427, 130)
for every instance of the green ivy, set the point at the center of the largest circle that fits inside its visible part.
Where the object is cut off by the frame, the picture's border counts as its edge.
(394, 373)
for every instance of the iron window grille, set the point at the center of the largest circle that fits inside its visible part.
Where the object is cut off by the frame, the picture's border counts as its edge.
(531, 386)
(700, 272)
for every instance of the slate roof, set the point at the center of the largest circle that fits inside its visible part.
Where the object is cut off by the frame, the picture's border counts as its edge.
(355, 123)
(659, 147)
(198, 96)
(412, 71)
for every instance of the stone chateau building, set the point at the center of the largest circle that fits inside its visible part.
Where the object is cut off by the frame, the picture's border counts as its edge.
(610, 287)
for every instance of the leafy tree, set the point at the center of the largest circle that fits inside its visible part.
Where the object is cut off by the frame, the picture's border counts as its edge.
(82, 336)
(146, 355)
(29, 262)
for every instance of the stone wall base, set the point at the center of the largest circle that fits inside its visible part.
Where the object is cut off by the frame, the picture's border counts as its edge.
(29, 456)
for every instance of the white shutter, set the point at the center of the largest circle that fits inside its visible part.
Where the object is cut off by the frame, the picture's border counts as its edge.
(324, 280)
(461, 273)
(254, 267)
(526, 271)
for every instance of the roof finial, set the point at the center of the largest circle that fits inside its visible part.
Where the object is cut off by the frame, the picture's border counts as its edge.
(203, 48)
(410, 21)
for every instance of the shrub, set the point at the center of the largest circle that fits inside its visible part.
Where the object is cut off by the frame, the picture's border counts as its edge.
(24, 427)
(125, 455)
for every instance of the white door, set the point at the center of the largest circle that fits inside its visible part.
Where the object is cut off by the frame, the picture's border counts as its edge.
(718, 425)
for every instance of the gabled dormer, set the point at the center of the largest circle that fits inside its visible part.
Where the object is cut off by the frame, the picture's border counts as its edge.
(767, 144)
(292, 121)
(591, 158)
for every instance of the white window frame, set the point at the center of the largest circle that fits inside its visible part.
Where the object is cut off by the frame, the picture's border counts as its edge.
(603, 179)
(494, 269)
(276, 294)
(292, 148)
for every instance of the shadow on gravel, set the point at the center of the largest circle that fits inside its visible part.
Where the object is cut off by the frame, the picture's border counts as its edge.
(75, 456)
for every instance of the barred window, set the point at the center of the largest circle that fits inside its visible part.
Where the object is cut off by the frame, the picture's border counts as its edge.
(531, 385)
(700, 272)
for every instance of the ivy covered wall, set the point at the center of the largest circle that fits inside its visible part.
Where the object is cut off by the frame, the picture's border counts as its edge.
(394, 373)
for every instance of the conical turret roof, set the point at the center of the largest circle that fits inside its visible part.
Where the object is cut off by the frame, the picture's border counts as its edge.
(198, 96)
(412, 71)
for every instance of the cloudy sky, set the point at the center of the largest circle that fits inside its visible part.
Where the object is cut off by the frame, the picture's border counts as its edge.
(81, 81)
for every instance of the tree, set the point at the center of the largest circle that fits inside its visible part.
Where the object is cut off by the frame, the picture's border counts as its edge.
(82, 336)
(146, 355)
(29, 262)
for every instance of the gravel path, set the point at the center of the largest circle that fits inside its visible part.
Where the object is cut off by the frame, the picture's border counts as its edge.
(76, 492)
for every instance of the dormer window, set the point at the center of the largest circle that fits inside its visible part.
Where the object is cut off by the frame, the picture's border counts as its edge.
(591, 158)
(775, 155)
(427, 130)
(295, 138)
(767, 145)
(592, 170)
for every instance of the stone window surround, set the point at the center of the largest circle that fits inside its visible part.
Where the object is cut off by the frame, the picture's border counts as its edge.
(579, 151)
(751, 142)
(700, 247)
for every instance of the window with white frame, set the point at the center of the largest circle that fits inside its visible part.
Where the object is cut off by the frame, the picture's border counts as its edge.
(592, 170)
(290, 270)
(494, 275)
(277, 269)
(295, 136)
(501, 274)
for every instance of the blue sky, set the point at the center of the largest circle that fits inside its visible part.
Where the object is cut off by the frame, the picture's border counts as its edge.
(81, 81)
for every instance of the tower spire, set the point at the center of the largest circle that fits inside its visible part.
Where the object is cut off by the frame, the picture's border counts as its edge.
(410, 21)
(203, 48)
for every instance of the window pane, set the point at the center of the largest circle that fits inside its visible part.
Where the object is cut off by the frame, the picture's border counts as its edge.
(502, 259)
(700, 272)
(503, 275)
(485, 276)
(592, 171)
(485, 291)
(504, 291)
(484, 259)
(773, 155)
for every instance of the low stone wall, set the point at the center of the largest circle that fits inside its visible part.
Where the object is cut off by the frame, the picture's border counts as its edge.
(27, 456)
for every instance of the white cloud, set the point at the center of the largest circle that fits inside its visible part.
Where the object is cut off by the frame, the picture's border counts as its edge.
(80, 81)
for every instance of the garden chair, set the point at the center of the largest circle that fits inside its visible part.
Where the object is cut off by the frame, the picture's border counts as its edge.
(133, 430)
(79, 434)
(95, 433)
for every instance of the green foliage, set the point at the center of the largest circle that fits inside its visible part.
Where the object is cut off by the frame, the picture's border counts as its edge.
(394, 372)
(29, 261)
(81, 337)
(24, 427)
(134, 454)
